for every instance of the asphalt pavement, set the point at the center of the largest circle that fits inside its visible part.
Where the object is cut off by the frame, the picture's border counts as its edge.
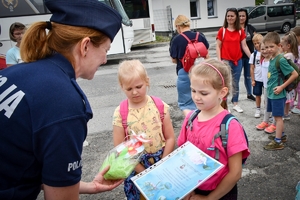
(267, 174)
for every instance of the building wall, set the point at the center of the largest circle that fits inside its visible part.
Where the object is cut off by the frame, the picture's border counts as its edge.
(203, 20)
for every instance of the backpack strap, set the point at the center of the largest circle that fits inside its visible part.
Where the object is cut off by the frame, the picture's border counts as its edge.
(277, 64)
(222, 134)
(224, 30)
(197, 36)
(189, 41)
(124, 114)
(124, 111)
(160, 106)
(191, 119)
(254, 55)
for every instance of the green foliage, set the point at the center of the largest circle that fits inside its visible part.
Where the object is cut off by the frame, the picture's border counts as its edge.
(258, 2)
(162, 38)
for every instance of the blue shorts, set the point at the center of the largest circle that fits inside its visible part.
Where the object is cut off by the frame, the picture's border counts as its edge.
(258, 88)
(276, 106)
(185, 101)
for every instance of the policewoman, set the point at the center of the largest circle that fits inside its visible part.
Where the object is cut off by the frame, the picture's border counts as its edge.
(43, 111)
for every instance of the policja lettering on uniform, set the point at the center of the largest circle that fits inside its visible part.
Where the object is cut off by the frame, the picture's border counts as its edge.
(10, 104)
(75, 165)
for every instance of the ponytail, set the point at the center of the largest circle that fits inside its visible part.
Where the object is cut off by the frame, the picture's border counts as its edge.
(34, 43)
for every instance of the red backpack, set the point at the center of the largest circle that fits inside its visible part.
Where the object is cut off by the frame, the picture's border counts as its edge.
(193, 50)
(124, 111)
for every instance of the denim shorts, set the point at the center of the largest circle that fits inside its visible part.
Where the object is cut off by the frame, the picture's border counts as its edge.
(185, 100)
(258, 88)
(276, 106)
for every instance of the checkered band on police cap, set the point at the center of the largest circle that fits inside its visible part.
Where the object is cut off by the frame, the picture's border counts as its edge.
(86, 13)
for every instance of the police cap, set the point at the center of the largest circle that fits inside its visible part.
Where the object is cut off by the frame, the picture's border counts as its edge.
(86, 13)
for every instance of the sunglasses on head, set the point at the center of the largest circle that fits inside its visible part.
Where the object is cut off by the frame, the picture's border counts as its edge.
(241, 9)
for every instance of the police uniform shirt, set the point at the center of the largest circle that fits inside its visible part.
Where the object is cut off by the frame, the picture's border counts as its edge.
(43, 123)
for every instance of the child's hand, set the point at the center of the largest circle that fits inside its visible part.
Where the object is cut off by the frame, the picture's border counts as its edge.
(198, 197)
(139, 168)
(253, 83)
(188, 197)
(277, 90)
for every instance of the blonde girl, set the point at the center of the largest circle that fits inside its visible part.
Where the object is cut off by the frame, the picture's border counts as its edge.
(210, 85)
(143, 116)
(289, 46)
(296, 109)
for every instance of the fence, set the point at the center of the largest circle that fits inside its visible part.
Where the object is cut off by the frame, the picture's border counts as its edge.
(163, 22)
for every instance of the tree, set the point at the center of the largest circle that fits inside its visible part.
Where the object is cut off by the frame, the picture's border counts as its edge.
(258, 2)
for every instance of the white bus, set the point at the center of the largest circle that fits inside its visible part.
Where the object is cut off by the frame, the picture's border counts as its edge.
(140, 12)
(29, 11)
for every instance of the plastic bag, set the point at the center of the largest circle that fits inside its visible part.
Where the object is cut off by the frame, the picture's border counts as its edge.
(124, 157)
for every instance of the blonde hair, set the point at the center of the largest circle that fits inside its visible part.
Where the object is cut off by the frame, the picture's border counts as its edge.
(182, 21)
(257, 37)
(296, 30)
(291, 39)
(131, 69)
(37, 44)
(213, 77)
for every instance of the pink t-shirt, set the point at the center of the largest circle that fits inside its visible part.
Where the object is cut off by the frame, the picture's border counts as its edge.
(201, 136)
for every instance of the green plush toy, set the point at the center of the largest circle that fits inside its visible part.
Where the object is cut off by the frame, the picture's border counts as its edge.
(123, 159)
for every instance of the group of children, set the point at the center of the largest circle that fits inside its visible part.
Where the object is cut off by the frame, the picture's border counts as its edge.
(210, 85)
(211, 81)
(272, 52)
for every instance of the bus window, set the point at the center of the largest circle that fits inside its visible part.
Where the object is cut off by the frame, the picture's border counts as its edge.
(30, 11)
(140, 12)
(22, 8)
(137, 9)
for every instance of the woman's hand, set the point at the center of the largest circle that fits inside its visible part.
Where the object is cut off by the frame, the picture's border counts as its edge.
(99, 184)
(102, 185)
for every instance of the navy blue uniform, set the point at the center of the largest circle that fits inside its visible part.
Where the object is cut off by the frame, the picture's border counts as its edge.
(179, 43)
(43, 123)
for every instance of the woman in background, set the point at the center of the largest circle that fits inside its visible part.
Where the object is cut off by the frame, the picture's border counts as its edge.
(177, 50)
(16, 32)
(249, 32)
(230, 38)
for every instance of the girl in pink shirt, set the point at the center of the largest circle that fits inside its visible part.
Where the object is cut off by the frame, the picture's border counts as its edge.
(210, 83)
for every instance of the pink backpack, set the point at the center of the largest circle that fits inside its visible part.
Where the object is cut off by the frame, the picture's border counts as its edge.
(124, 111)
